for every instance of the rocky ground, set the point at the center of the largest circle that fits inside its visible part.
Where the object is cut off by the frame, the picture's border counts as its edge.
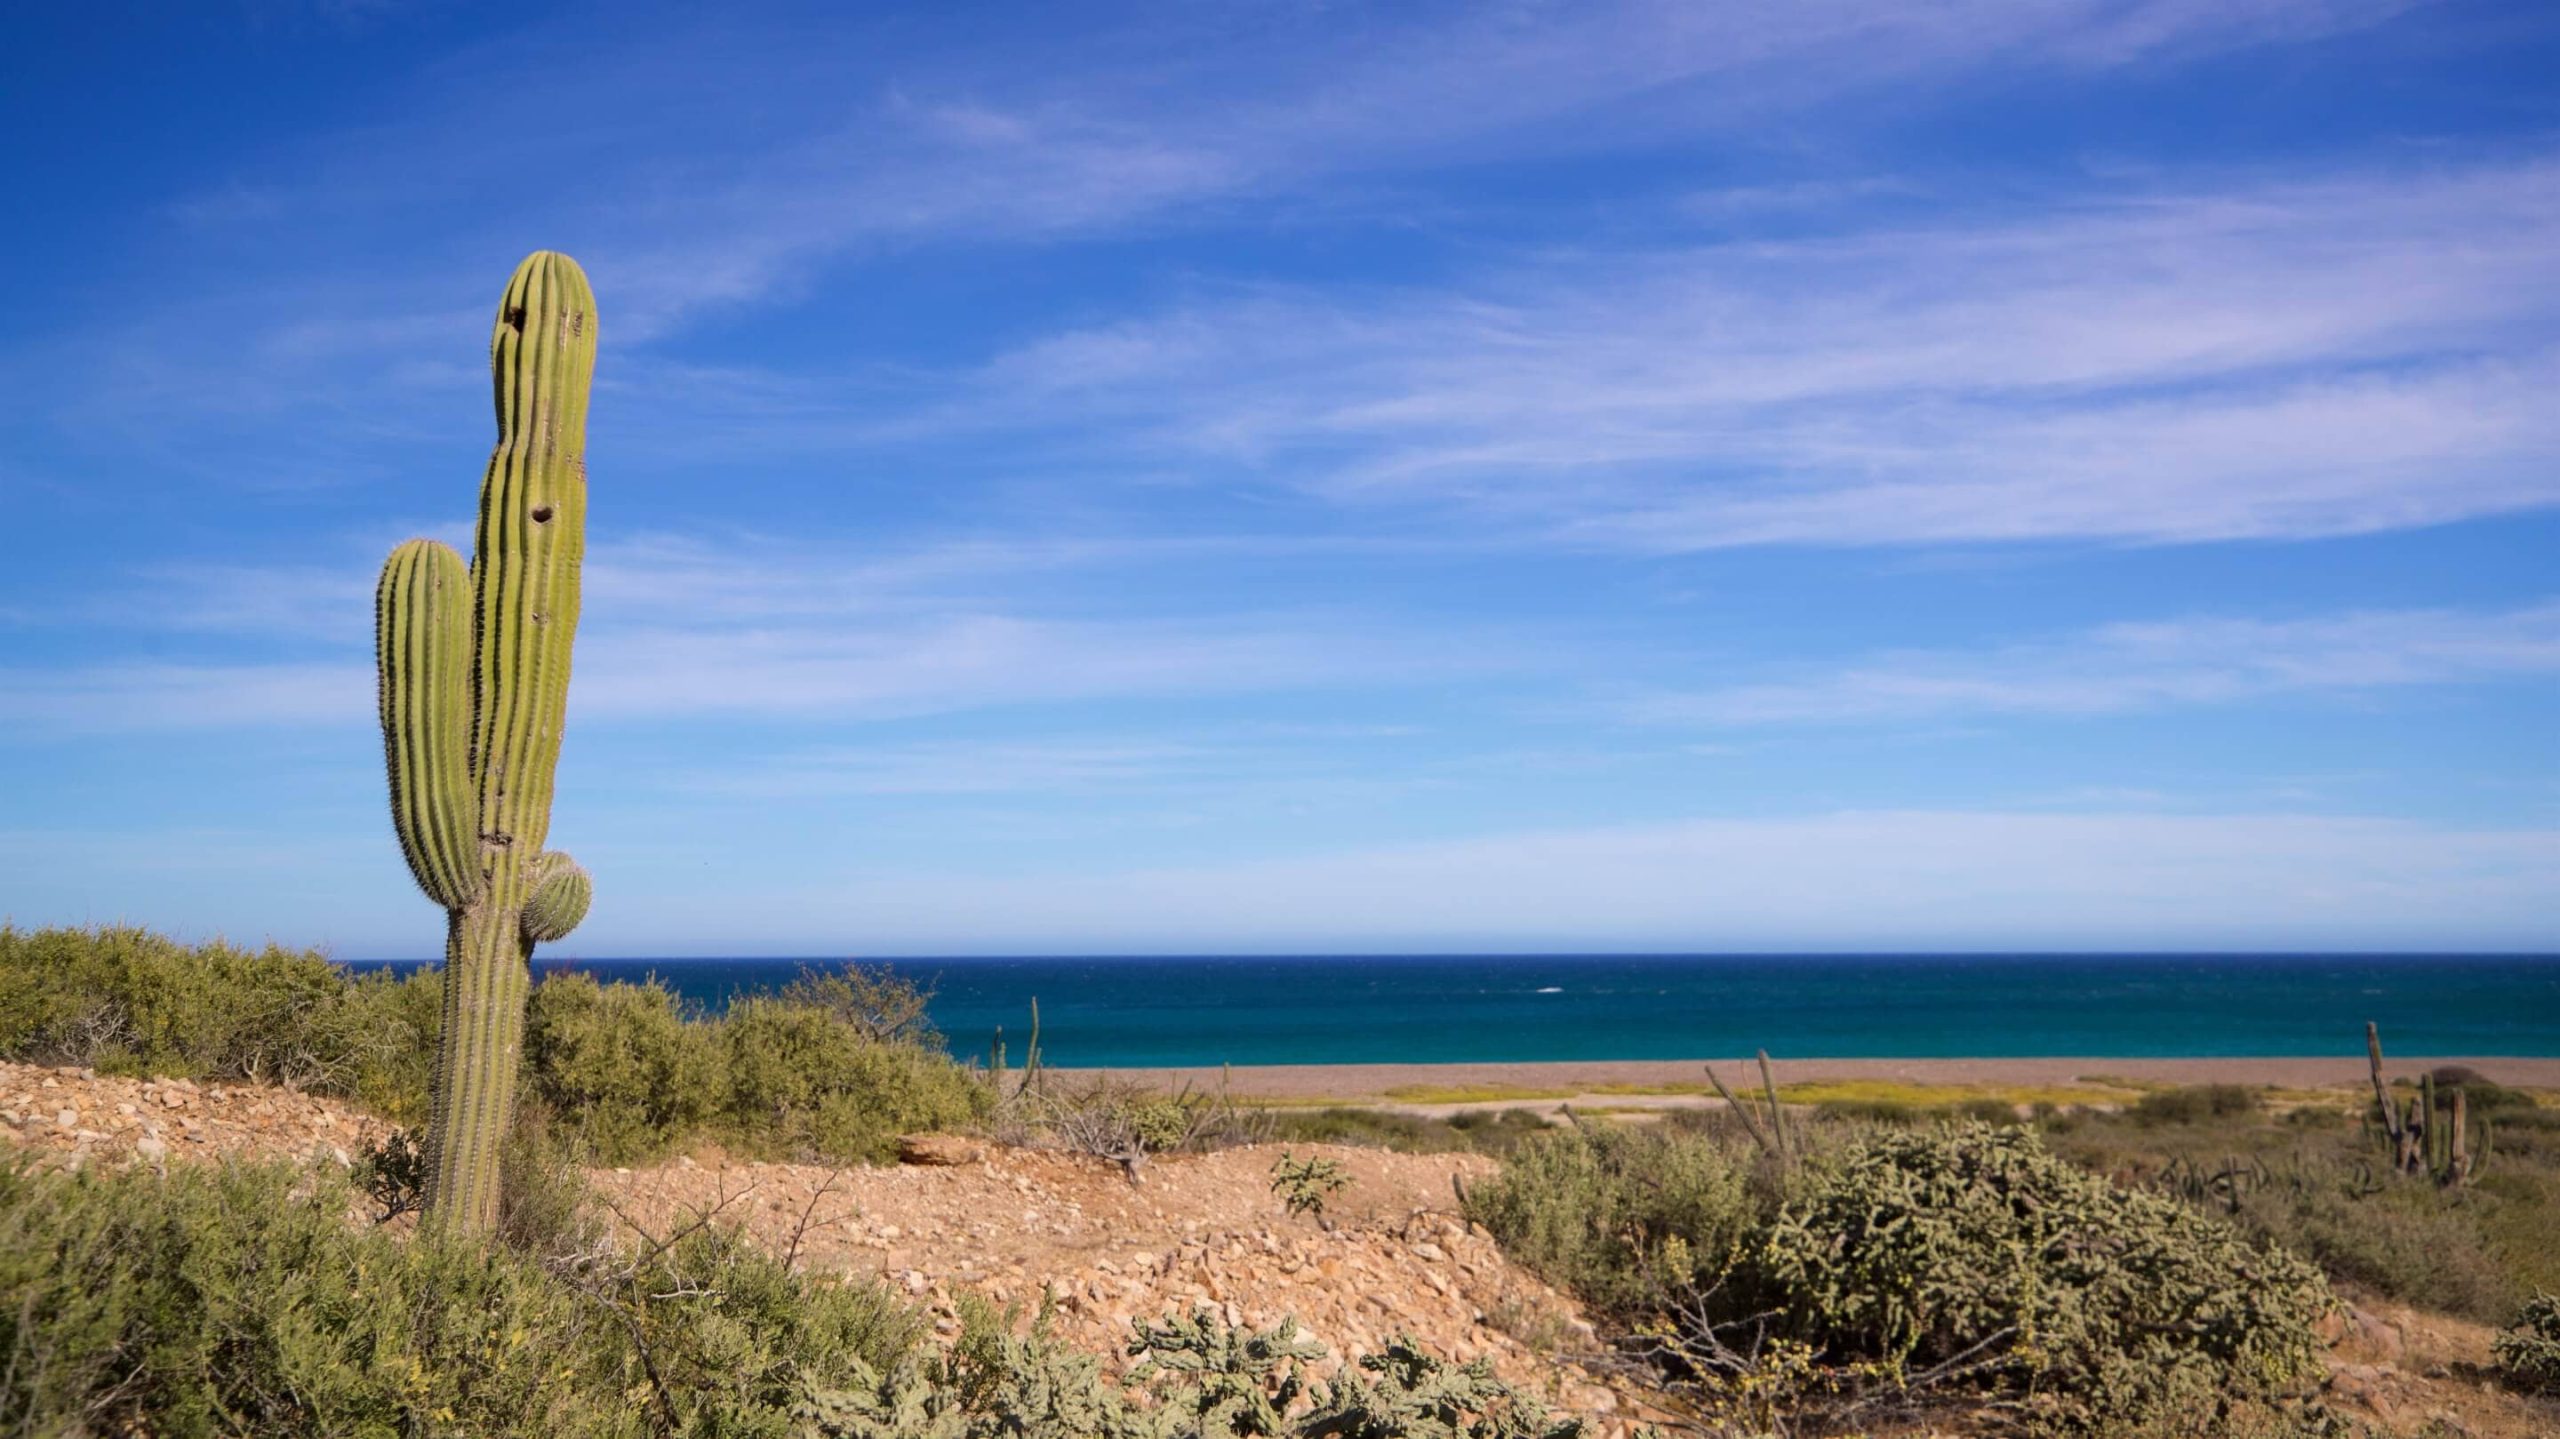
(1191, 1231)
(1009, 1223)
(78, 1113)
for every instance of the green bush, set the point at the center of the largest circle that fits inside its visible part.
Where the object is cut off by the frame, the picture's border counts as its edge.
(835, 1067)
(2197, 1102)
(2326, 1192)
(126, 1001)
(805, 1082)
(1624, 1217)
(240, 1300)
(1200, 1379)
(2406, 1240)
(2529, 1350)
(1973, 1246)
(225, 1300)
(621, 1062)
(2480, 1094)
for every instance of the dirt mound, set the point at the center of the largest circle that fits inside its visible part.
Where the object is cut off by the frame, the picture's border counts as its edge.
(1193, 1230)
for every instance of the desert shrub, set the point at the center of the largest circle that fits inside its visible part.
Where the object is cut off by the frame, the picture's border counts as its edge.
(2195, 1103)
(127, 1001)
(2480, 1093)
(1986, 1110)
(834, 1068)
(229, 1300)
(392, 1172)
(806, 1082)
(1877, 1111)
(881, 1005)
(1305, 1184)
(1623, 1217)
(1496, 1131)
(1368, 1128)
(619, 1066)
(1485, 1131)
(1973, 1247)
(391, 1023)
(1129, 1122)
(2326, 1192)
(2410, 1241)
(2529, 1350)
(1199, 1379)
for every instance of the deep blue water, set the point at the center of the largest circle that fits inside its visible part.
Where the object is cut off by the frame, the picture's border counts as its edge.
(1352, 1009)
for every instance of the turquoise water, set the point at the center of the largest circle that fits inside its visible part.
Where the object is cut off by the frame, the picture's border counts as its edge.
(1354, 1009)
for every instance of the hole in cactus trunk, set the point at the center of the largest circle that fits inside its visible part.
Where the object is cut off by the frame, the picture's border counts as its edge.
(542, 514)
(515, 318)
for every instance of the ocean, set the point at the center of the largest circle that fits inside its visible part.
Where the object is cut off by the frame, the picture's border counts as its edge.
(1348, 1009)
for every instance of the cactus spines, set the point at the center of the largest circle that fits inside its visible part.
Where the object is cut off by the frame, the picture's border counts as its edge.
(422, 638)
(475, 689)
(561, 891)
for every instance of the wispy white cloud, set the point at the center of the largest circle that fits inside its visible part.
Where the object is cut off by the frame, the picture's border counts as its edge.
(981, 661)
(1159, 120)
(2268, 359)
(1197, 114)
(1983, 382)
(752, 628)
(1897, 880)
(107, 698)
(2124, 668)
(1046, 767)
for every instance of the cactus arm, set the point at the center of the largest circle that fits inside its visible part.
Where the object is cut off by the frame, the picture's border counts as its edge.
(422, 652)
(561, 889)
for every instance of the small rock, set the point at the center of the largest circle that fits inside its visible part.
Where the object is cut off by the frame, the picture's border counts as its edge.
(2379, 1334)
(150, 1148)
(939, 1149)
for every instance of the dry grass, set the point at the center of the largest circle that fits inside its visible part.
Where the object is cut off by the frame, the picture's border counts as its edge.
(1948, 1096)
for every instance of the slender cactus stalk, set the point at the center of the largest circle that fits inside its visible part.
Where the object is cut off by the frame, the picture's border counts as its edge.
(1741, 1111)
(2457, 1168)
(2381, 1090)
(1777, 1116)
(475, 689)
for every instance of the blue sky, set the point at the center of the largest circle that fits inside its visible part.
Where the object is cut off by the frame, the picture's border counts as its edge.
(1270, 476)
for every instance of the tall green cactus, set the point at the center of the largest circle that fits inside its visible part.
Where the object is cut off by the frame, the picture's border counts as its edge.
(474, 690)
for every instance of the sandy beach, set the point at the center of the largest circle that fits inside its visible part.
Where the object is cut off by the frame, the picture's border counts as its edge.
(1620, 1082)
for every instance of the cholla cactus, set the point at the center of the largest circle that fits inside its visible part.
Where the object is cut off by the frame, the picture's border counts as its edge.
(1199, 1378)
(475, 685)
(1305, 1184)
(2529, 1349)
